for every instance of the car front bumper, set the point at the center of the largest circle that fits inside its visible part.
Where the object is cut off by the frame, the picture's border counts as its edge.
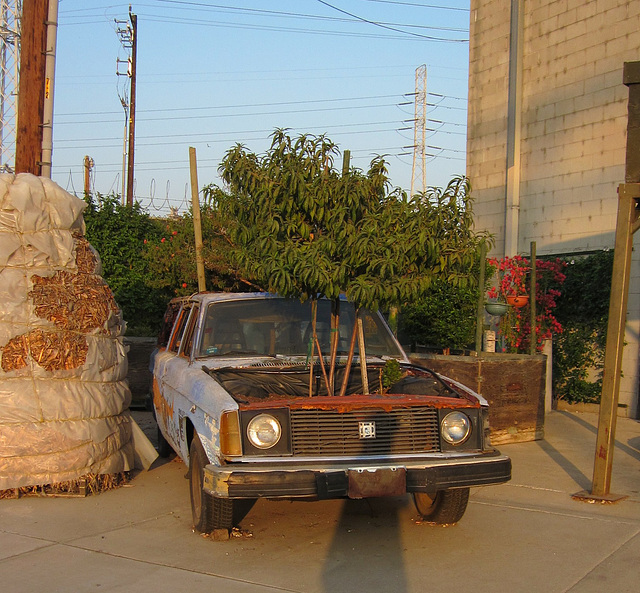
(356, 479)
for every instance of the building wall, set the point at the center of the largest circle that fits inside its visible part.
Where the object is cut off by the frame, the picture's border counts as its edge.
(574, 118)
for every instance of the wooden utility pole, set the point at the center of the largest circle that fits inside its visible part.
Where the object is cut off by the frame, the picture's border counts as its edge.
(627, 224)
(88, 165)
(31, 90)
(132, 107)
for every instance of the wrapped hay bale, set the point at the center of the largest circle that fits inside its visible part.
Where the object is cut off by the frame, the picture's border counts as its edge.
(63, 366)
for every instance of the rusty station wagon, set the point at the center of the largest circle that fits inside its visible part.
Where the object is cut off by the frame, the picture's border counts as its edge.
(238, 397)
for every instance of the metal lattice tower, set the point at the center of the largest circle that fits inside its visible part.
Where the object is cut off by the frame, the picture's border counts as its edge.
(10, 14)
(420, 130)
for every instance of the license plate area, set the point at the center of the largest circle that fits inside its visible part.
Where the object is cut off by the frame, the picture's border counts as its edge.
(386, 481)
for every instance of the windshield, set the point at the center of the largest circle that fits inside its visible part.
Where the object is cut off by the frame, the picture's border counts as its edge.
(278, 326)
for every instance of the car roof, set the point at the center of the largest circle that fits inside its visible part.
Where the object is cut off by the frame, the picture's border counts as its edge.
(212, 297)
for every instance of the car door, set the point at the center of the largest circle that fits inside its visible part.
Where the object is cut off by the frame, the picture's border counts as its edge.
(166, 376)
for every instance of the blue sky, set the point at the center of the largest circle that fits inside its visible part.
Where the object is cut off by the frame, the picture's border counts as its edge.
(213, 73)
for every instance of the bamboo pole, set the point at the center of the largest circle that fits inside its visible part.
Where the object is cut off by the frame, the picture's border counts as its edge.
(197, 222)
(363, 356)
(533, 336)
(480, 312)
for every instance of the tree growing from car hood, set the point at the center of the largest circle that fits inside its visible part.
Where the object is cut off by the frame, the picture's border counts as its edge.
(305, 229)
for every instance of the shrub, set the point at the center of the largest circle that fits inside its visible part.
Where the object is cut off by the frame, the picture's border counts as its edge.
(445, 318)
(118, 233)
(583, 310)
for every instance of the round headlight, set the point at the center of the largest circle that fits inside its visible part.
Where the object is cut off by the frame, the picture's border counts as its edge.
(456, 428)
(264, 431)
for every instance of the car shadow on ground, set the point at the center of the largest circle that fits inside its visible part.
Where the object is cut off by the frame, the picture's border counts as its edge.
(357, 560)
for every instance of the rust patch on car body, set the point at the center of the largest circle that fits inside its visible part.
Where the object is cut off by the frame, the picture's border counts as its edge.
(359, 402)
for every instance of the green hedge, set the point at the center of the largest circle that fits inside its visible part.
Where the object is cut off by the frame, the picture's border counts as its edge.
(583, 310)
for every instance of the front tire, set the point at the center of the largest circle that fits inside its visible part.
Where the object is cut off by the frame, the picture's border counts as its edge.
(444, 507)
(209, 512)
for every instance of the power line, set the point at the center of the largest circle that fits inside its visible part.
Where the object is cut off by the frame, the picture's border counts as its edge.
(403, 34)
(390, 28)
(227, 115)
(273, 103)
(415, 4)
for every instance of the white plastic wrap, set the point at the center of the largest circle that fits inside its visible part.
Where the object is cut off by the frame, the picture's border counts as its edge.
(63, 366)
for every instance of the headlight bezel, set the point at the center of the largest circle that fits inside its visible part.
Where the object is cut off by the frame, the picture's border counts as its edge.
(456, 417)
(259, 429)
(281, 447)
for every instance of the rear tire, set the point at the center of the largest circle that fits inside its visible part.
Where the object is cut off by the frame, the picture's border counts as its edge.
(445, 507)
(209, 512)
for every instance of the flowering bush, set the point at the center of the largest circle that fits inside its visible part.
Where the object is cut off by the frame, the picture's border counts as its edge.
(514, 278)
(513, 273)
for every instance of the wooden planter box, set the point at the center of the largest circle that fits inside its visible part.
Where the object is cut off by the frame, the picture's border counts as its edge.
(513, 384)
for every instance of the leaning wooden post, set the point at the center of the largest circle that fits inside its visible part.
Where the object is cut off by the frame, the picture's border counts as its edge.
(362, 355)
(197, 222)
(627, 223)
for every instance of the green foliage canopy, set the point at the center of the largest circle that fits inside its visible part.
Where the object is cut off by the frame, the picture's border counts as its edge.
(305, 229)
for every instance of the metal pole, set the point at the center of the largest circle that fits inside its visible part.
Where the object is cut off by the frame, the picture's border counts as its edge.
(50, 72)
(3, 70)
(514, 125)
(480, 313)
(197, 222)
(124, 153)
(533, 335)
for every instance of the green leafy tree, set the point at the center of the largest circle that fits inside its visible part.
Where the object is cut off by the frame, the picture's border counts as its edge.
(170, 256)
(305, 229)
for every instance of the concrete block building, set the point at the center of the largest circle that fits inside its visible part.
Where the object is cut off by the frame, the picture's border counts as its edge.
(546, 138)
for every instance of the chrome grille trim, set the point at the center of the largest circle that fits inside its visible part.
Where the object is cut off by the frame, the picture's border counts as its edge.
(400, 431)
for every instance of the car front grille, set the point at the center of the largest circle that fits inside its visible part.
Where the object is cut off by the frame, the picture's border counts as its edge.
(397, 432)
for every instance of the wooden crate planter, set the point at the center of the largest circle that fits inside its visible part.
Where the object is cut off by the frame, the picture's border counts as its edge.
(513, 384)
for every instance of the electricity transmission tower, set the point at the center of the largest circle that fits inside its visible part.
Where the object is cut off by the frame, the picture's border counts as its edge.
(10, 13)
(420, 131)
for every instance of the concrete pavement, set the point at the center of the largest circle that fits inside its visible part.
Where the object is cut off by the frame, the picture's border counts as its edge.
(526, 536)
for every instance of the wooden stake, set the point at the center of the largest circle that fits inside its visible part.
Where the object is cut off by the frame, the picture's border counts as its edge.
(197, 222)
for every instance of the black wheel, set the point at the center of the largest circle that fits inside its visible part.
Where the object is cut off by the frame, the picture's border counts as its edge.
(164, 448)
(445, 507)
(209, 512)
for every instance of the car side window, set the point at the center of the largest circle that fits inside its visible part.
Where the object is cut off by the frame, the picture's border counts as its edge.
(189, 333)
(181, 323)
